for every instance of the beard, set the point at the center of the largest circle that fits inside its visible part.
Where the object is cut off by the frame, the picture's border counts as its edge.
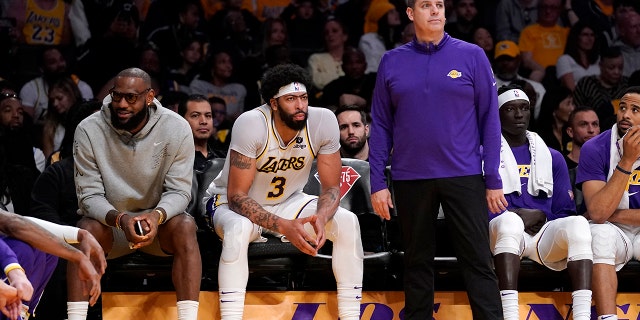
(130, 124)
(290, 122)
(352, 147)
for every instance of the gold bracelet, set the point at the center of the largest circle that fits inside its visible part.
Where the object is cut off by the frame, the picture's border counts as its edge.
(118, 217)
(162, 217)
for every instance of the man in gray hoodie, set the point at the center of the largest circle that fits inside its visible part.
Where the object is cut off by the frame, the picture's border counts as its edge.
(133, 169)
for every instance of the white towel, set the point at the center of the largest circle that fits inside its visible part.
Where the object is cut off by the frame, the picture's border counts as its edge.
(615, 153)
(540, 177)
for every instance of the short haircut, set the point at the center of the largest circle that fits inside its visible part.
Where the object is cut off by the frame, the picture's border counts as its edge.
(352, 107)
(282, 75)
(182, 107)
(633, 89)
(512, 86)
(411, 3)
(577, 110)
(611, 52)
(136, 73)
(217, 100)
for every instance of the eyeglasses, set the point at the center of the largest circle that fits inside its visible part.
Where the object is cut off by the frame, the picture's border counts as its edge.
(128, 97)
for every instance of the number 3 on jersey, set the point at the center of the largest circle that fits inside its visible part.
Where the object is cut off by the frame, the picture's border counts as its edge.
(278, 187)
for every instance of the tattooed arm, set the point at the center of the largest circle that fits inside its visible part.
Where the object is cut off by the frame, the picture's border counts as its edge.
(242, 170)
(329, 169)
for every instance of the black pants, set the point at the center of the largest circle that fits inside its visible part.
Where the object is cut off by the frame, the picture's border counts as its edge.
(464, 203)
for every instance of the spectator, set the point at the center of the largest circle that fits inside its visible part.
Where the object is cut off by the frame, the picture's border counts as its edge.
(169, 39)
(35, 93)
(351, 15)
(52, 22)
(606, 164)
(115, 193)
(355, 87)
(430, 172)
(580, 58)
(380, 32)
(483, 38)
(274, 32)
(557, 104)
(621, 8)
(543, 43)
(598, 14)
(64, 95)
(602, 92)
(304, 26)
(216, 80)
(514, 15)
(325, 67)
(249, 194)
(540, 222)
(191, 57)
(223, 125)
(583, 125)
(464, 25)
(16, 133)
(197, 110)
(629, 41)
(354, 132)
(506, 65)
(113, 50)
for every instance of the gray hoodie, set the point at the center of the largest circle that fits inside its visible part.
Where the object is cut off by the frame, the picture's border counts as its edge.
(115, 170)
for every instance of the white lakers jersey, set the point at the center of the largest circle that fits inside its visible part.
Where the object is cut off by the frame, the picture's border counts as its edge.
(281, 170)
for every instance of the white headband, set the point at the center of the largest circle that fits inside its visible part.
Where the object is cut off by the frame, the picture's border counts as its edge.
(510, 95)
(293, 87)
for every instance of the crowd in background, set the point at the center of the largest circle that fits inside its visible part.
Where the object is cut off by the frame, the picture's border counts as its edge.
(57, 53)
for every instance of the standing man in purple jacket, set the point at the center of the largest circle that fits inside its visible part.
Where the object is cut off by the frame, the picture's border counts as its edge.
(435, 105)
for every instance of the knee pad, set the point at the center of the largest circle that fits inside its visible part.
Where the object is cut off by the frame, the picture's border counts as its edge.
(578, 231)
(603, 243)
(345, 232)
(507, 232)
(236, 240)
(579, 240)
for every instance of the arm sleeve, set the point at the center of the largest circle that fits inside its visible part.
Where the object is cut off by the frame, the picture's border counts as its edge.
(67, 233)
(381, 139)
(562, 203)
(177, 182)
(90, 189)
(486, 100)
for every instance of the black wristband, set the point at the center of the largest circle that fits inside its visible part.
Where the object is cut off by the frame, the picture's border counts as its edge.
(622, 170)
